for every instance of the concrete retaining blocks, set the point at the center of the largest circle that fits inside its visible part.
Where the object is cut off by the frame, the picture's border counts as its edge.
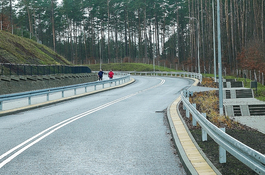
(14, 84)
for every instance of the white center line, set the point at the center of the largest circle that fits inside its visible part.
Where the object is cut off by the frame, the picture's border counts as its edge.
(38, 137)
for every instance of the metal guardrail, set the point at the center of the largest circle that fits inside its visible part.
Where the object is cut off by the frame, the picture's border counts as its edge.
(29, 95)
(250, 157)
(30, 69)
(172, 74)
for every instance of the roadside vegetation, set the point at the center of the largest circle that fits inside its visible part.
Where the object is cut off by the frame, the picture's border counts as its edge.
(129, 67)
(208, 102)
(208, 81)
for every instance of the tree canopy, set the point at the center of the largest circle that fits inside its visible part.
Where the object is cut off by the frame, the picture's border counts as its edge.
(164, 31)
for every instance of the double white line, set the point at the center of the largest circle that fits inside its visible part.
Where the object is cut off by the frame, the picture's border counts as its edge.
(38, 137)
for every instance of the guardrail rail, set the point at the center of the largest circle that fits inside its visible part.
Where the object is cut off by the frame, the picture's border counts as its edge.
(17, 100)
(250, 157)
(172, 74)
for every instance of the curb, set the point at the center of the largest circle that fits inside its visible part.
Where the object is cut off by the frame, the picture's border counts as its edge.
(183, 156)
(172, 113)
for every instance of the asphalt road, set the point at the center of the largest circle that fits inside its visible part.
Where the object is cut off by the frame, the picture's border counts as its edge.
(120, 131)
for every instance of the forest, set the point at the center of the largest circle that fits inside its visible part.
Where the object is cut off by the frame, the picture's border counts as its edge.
(173, 33)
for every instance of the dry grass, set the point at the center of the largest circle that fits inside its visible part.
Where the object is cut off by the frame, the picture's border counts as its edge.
(209, 82)
(208, 102)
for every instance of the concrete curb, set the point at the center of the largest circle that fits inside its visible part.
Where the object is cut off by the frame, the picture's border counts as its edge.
(183, 156)
(190, 169)
(13, 111)
(197, 146)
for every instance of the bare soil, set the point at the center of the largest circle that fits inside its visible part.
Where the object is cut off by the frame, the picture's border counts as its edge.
(243, 133)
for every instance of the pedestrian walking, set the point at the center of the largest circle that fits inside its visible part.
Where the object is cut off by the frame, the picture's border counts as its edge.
(110, 74)
(100, 75)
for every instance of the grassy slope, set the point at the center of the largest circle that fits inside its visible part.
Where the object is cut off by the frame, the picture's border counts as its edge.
(128, 67)
(18, 50)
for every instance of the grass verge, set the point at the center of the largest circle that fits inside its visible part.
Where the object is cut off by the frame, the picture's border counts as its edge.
(129, 67)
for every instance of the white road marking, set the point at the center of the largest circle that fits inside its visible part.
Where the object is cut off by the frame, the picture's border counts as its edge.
(38, 137)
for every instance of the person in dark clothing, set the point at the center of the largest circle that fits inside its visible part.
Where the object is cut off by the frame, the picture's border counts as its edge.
(100, 75)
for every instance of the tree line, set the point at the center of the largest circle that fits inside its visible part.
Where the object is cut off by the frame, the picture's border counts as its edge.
(164, 31)
(242, 33)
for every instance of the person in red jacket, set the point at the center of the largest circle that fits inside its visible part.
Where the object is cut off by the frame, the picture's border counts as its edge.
(111, 74)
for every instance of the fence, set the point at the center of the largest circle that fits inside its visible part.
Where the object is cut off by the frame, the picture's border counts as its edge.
(27, 69)
(245, 154)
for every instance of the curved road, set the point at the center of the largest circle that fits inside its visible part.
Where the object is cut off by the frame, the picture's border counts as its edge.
(120, 131)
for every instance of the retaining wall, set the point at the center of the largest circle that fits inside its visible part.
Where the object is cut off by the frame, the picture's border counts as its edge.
(14, 84)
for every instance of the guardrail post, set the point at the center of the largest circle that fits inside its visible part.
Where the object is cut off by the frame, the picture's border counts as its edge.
(48, 97)
(95, 87)
(194, 122)
(29, 100)
(86, 89)
(75, 91)
(1, 107)
(184, 107)
(62, 93)
(187, 113)
(185, 93)
(188, 94)
(222, 152)
(204, 133)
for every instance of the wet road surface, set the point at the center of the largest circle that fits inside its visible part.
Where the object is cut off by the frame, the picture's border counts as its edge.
(121, 131)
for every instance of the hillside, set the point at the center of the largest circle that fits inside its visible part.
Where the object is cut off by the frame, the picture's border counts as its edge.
(19, 50)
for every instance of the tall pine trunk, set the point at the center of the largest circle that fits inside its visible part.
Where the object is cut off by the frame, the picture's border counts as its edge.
(53, 28)
(228, 34)
(145, 33)
(108, 30)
